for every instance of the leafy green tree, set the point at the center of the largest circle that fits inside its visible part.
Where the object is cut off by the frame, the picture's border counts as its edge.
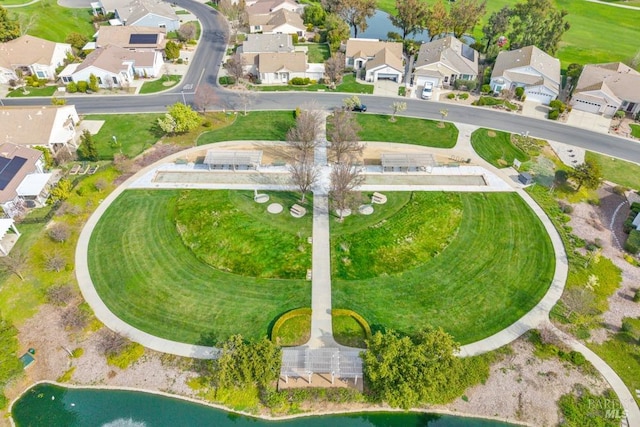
(337, 31)
(87, 149)
(179, 119)
(93, 83)
(464, 15)
(356, 12)
(539, 23)
(46, 156)
(497, 25)
(406, 372)
(314, 14)
(411, 17)
(9, 27)
(61, 191)
(587, 174)
(437, 19)
(172, 50)
(76, 40)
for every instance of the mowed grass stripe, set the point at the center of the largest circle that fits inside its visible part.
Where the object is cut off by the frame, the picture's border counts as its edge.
(496, 269)
(148, 278)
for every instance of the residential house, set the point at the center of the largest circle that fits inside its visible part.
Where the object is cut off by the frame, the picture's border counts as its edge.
(53, 127)
(443, 61)
(32, 56)
(283, 66)
(281, 22)
(607, 88)
(115, 67)
(148, 13)
(132, 37)
(263, 43)
(534, 70)
(265, 7)
(23, 182)
(379, 60)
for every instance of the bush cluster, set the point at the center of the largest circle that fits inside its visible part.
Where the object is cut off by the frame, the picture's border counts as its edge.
(301, 81)
(632, 245)
(227, 80)
(557, 107)
(628, 223)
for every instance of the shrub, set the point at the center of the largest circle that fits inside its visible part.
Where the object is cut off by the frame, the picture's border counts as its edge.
(554, 114)
(60, 295)
(77, 352)
(227, 80)
(300, 81)
(471, 84)
(619, 190)
(485, 89)
(519, 91)
(82, 86)
(463, 96)
(72, 87)
(619, 114)
(556, 104)
(294, 38)
(632, 245)
(451, 95)
(59, 232)
(561, 176)
(636, 296)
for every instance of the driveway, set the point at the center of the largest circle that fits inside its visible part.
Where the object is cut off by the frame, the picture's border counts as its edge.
(589, 121)
(385, 88)
(75, 4)
(535, 109)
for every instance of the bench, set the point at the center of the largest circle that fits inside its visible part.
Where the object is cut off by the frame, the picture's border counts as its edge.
(75, 169)
(297, 211)
(93, 169)
(378, 198)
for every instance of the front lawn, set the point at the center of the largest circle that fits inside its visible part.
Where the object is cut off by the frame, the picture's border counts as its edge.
(496, 147)
(496, 267)
(635, 130)
(53, 22)
(33, 91)
(256, 125)
(316, 52)
(349, 85)
(134, 133)
(615, 170)
(406, 130)
(158, 85)
(160, 286)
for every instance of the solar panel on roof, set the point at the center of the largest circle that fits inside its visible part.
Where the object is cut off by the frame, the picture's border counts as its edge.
(143, 39)
(468, 52)
(4, 162)
(10, 170)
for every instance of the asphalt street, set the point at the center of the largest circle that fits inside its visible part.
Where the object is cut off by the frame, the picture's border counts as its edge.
(205, 65)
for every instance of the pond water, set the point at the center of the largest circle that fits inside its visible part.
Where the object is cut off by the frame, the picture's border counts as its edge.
(51, 405)
(379, 25)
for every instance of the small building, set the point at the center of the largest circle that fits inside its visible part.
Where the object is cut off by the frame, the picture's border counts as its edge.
(232, 160)
(525, 178)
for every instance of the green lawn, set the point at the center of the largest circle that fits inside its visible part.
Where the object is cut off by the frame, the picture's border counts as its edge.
(316, 52)
(349, 85)
(405, 130)
(615, 170)
(53, 22)
(496, 149)
(256, 125)
(635, 130)
(226, 229)
(33, 91)
(160, 84)
(134, 133)
(161, 287)
(347, 331)
(295, 331)
(495, 269)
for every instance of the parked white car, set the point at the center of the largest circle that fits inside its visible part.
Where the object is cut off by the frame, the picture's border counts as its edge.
(427, 91)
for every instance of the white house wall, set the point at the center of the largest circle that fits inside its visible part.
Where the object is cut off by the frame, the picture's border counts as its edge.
(61, 134)
(105, 76)
(372, 75)
(286, 29)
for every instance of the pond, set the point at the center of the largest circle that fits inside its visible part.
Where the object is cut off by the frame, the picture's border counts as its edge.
(51, 405)
(379, 25)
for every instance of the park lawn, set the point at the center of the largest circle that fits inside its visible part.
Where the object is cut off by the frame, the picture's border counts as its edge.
(618, 171)
(159, 85)
(134, 133)
(33, 91)
(396, 200)
(316, 52)
(406, 130)
(635, 130)
(159, 286)
(295, 331)
(497, 149)
(256, 125)
(231, 232)
(347, 331)
(404, 237)
(53, 22)
(497, 267)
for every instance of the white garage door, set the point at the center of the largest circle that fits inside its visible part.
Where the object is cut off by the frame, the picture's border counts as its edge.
(610, 110)
(388, 76)
(589, 107)
(421, 80)
(543, 98)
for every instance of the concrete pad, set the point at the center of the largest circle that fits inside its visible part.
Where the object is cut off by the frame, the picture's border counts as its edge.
(535, 109)
(385, 88)
(589, 121)
(93, 126)
(569, 154)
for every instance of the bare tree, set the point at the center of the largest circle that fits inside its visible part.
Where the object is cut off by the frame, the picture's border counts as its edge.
(55, 262)
(578, 301)
(14, 263)
(59, 232)
(187, 32)
(60, 295)
(343, 133)
(345, 178)
(334, 68)
(204, 97)
(26, 22)
(247, 97)
(101, 185)
(303, 136)
(235, 66)
(303, 175)
(397, 107)
(123, 164)
(73, 318)
(111, 343)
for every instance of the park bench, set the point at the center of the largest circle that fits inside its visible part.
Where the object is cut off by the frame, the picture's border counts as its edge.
(297, 211)
(75, 169)
(93, 169)
(379, 198)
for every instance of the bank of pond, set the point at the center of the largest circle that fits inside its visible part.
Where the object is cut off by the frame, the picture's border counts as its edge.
(53, 405)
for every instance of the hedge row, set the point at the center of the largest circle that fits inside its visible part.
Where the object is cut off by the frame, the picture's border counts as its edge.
(632, 245)
(304, 311)
(358, 318)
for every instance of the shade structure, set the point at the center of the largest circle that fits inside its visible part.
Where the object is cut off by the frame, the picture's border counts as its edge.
(407, 161)
(226, 159)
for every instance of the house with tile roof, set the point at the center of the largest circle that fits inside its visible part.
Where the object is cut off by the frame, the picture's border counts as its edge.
(531, 68)
(23, 181)
(132, 37)
(265, 7)
(443, 61)
(148, 13)
(378, 60)
(32, 56)
(607, 88)
(53, 127)
(256, 44)
(115, 67)
(282, 21)
(280, 67)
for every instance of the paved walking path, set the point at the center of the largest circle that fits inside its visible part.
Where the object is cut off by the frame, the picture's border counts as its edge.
(623, 6)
